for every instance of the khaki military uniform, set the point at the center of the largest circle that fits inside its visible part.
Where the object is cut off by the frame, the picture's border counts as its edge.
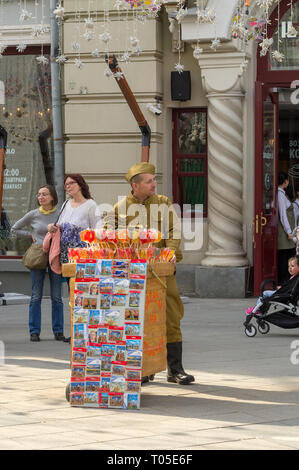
(155, 212)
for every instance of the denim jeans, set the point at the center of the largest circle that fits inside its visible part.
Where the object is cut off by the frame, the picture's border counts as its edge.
(37, 280)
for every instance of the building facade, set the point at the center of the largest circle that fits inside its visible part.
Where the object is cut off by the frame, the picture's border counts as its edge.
(211, 150)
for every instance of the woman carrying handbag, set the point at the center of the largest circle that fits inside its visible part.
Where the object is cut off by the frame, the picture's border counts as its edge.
(38, 220)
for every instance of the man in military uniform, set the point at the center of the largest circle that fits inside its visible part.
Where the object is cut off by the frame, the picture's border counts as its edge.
(144, 208)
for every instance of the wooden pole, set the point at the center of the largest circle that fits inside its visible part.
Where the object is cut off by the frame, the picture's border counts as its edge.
(131, 100)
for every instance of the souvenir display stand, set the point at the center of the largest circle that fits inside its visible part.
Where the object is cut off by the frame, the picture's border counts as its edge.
(150, 341)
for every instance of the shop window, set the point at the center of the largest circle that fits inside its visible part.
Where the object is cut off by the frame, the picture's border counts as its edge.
(25, 113)
(288, 41)
(190, 158)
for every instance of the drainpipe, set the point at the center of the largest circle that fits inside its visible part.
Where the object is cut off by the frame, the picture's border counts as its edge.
(56, 107)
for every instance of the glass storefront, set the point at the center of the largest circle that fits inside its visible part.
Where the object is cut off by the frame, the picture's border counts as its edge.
(288, 41)
(25, 113)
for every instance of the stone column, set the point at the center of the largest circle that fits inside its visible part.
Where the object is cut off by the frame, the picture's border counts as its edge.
(222, 81)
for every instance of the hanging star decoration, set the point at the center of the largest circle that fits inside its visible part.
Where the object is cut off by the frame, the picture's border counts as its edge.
(61, 59)
(292, 31)
(278, 56)
(88, 35)
(179, 68)
(105, 37)
(265, 46)
(59, 12)
(181, 14)
(125, 57)
(41, 59)
(25, 15)
(197, 52)
(108, 73)
(118, 75)
(78, 63)
(89, 24)
(215, 44)
(21, 47)
(95, 53)
(75, 46)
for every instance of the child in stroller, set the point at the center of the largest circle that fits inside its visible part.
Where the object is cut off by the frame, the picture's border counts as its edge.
(284, 298)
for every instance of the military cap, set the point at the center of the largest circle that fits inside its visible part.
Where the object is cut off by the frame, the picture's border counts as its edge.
(140, 168)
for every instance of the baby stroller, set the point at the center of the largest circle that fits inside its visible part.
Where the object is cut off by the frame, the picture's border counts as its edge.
(279, 309)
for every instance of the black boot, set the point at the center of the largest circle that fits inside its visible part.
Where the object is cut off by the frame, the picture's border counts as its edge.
(175, 372)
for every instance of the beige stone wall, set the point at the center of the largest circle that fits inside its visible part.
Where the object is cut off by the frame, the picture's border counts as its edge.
(103, 138)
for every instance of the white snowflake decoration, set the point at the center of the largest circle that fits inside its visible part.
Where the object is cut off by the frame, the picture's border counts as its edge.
(41, 59)
(88, 35)
(25, 15)
(61, 59)
(105, 37)
(292, 31)
(179, 67)
(118, 75)
(78, 63)
(107, 72)
(95, 53)
(75, 46)
(215, 44)
(59, 12)
(266, 4)
(39, 30)
(180, 14)
(134, 41)
(265, 46)
(278, 56)
(197, 52)
(125, 57)
(89, 24)
(21, 47)
(206, 16)
(3, 47)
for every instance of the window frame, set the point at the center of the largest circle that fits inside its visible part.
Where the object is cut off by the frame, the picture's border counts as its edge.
(177, 157)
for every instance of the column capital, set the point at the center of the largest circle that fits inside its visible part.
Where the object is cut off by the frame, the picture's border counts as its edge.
(222, 73)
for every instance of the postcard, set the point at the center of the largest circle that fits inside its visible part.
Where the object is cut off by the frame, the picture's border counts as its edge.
(132, 401)
(120, 273)
(93, 351)
(106, 363)
(102, 335)
(105, 384)
(91, 399)
(138, 268)
(133, 374)
(135, 344)
(105, 301)
(94, 317)
(137, 284)
(132, 329)
(121, 264)
(118, 300)
(108, 349)
(134, 299)
(82, 286)
(79, 356)
(80, 270)
(94, 288)
(106, 268)
(134, 386)
(90, 269)
(78, 371)
(80, 315)
(132, 314)
(118, 369)
(79, 331)
(77, 386)
(106, 285)
(113, 318)
(120, 352)
(93, 334)
(115, 333)
(92, 385)
(121, 286)
(77, 399)
(104, 399)
(93, 367)
(134, 358)
(118, 384)
(90, 303)
(116, 400)
(78, 300)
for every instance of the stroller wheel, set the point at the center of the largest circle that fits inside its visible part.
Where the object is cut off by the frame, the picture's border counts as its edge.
(263, 327)
(250, 331)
